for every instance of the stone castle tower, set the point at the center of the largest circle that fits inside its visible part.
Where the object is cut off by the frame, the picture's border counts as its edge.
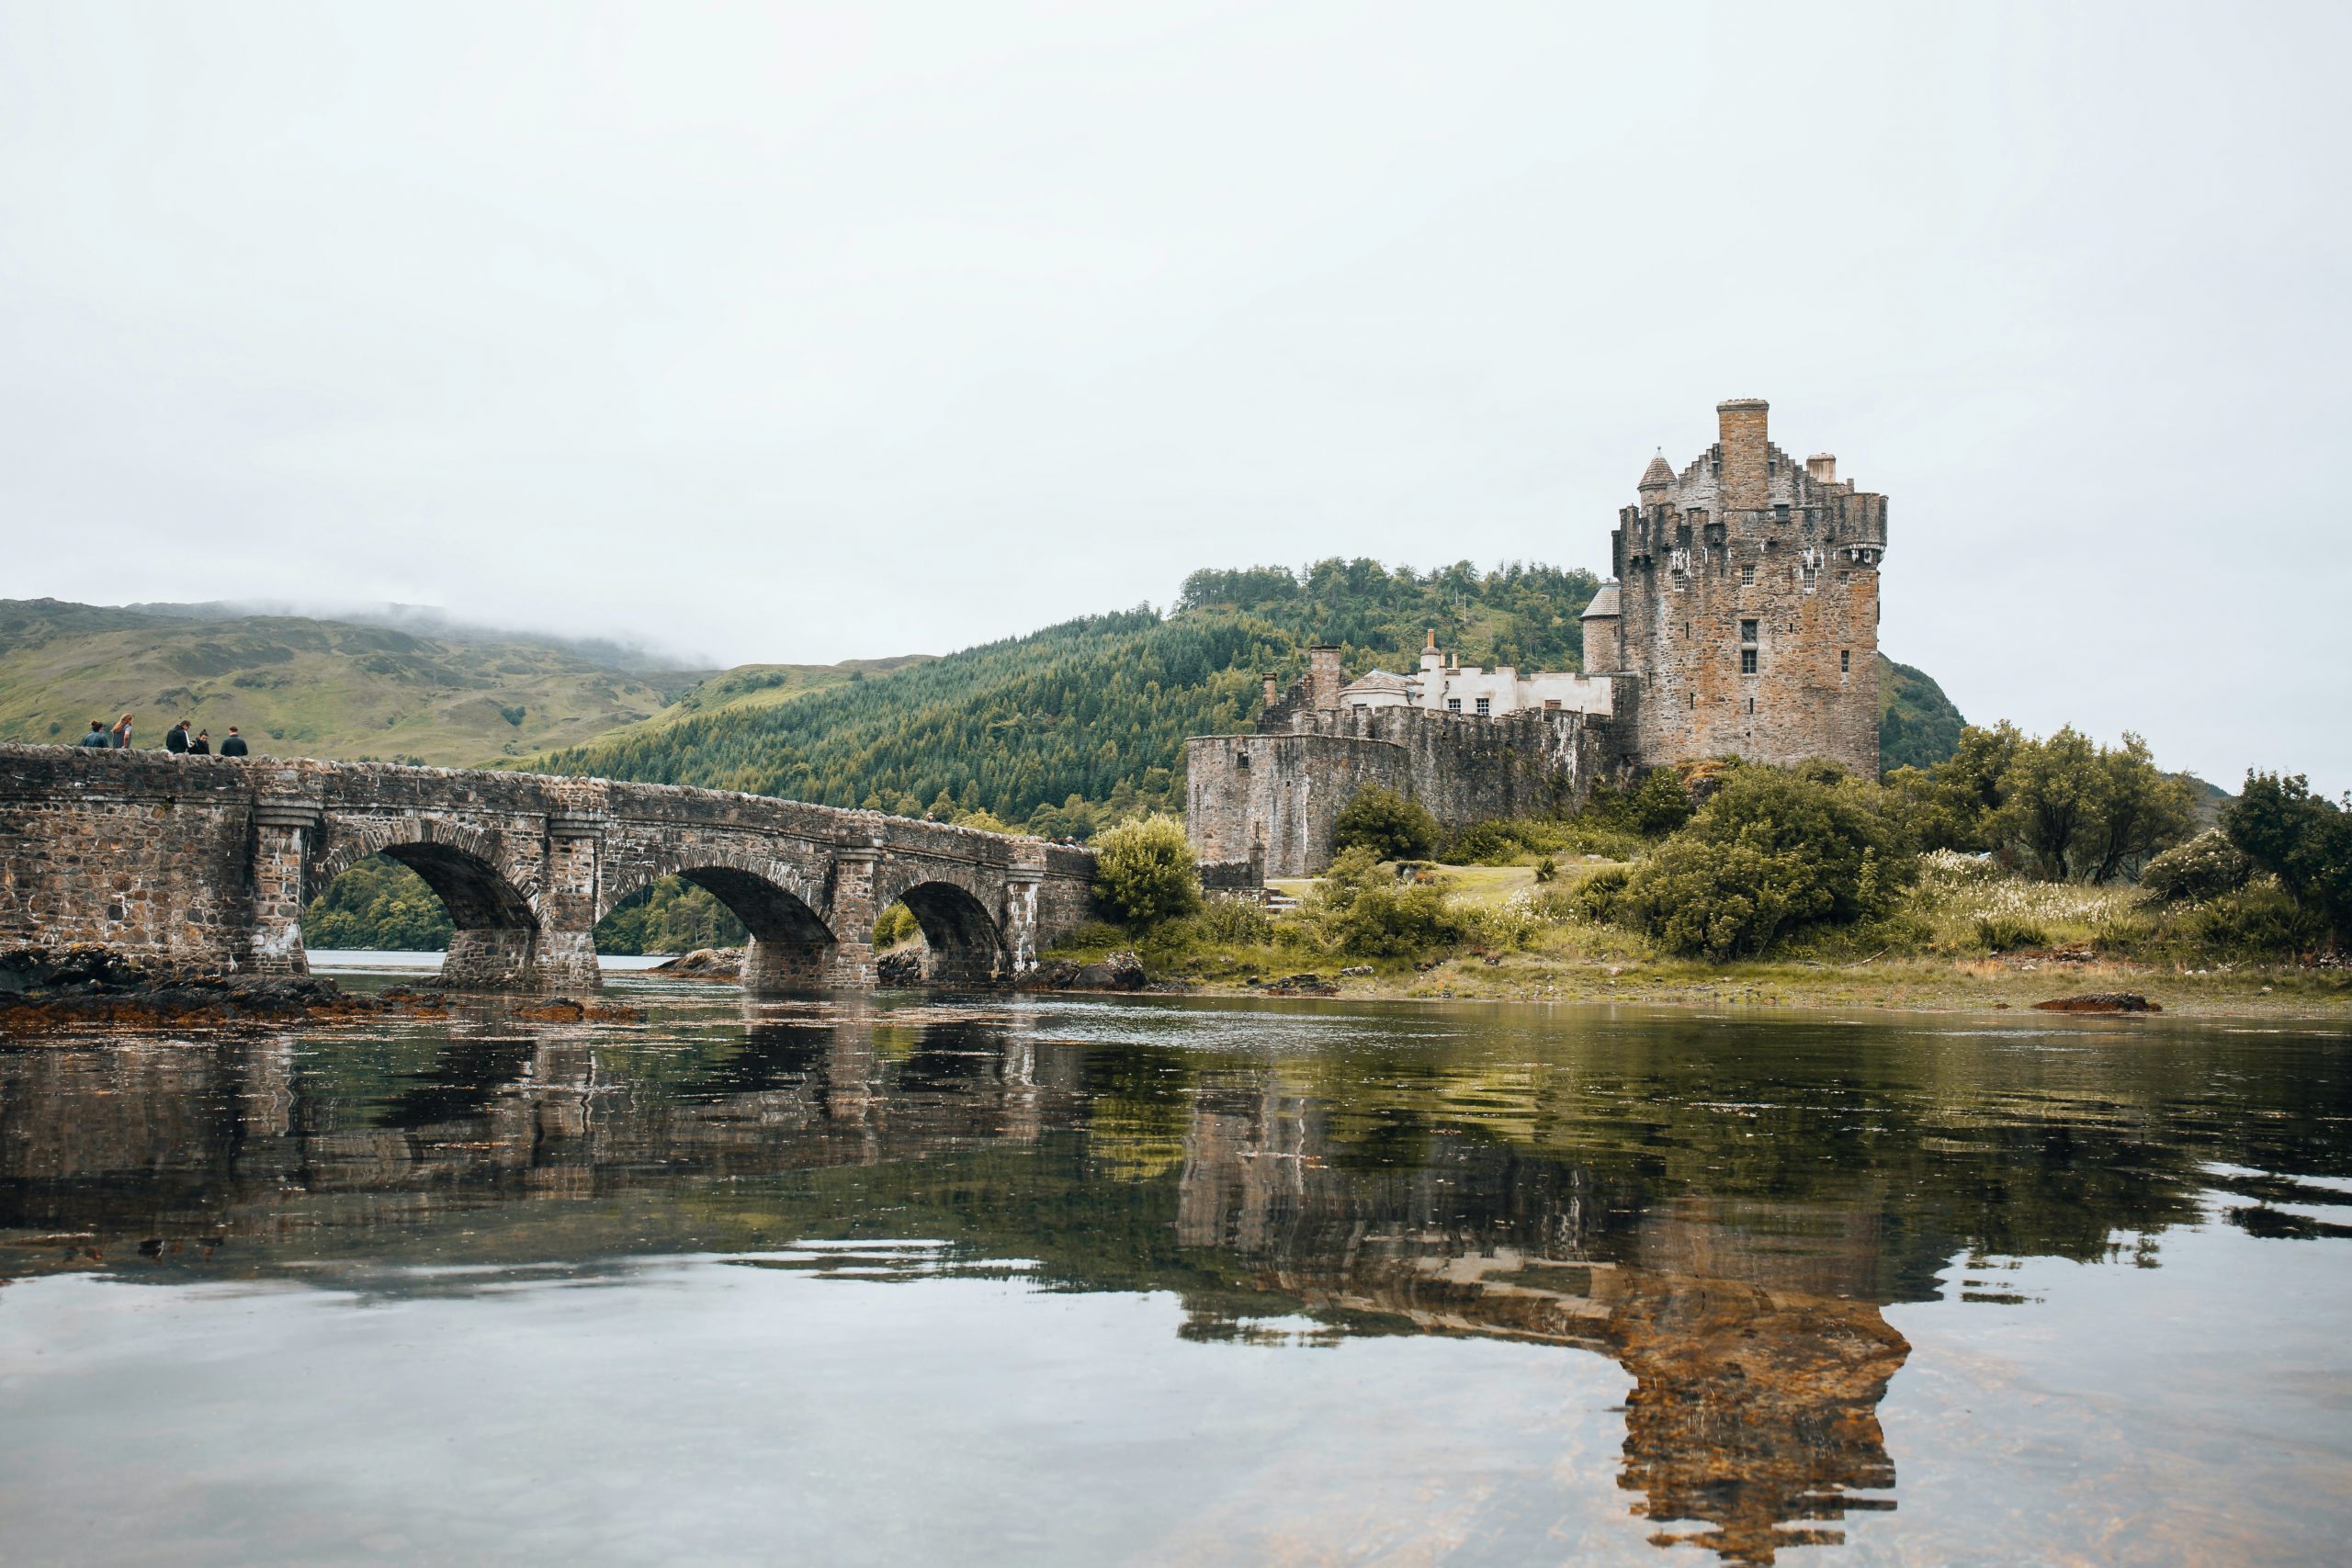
(1743, 620)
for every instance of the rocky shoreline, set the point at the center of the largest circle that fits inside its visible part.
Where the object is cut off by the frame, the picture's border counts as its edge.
(88, 984)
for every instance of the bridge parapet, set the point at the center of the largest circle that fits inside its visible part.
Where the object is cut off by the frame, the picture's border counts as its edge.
(206, 864)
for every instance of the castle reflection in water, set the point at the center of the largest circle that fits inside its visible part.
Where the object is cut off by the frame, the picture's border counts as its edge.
(1733, 1267)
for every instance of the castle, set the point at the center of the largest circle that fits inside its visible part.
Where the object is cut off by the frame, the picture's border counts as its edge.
(1742, 620)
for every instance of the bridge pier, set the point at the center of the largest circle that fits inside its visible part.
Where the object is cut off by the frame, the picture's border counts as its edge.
(774, 968)
(283, 831)
(1022, 884)
(852, 965)
(564, 957)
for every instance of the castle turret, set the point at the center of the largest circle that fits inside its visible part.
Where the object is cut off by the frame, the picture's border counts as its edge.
(1823, 468)
(1657, 480)
(1600, 620)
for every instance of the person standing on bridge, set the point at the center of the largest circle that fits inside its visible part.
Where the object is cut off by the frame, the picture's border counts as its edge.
(233, 744)
(97, 739)
(121, 733)
(175, 738)
(202, 745)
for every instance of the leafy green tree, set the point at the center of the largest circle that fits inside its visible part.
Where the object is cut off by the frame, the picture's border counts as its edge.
(2303, 840)
(1387, 824)
(2136, 811)
(1769, 852)
(1955, 804)
(2052, 789)
(1145, 871)
(895, 925)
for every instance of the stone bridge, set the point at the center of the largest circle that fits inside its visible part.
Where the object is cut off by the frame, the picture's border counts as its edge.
(206, 864)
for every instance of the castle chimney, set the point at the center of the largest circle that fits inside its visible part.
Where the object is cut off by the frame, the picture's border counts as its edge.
(1740, 421)
(1269, 678)
(1823, 468)
(1323, 676)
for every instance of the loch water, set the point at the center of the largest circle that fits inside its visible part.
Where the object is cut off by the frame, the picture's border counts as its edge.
(1174, 1281)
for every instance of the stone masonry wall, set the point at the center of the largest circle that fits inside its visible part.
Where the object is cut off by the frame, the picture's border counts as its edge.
(1272, 798)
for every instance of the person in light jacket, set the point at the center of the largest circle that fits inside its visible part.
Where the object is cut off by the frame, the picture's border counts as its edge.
(121, 733)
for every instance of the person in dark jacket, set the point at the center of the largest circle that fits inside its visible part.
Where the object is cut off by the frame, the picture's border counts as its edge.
(175, 738)
(97, 739)
(202, 745)
(233, 744)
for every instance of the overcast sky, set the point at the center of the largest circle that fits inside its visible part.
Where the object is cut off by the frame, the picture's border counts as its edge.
(801, 333)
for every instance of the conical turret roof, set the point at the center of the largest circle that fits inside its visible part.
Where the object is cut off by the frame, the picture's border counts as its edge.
(1659, 472)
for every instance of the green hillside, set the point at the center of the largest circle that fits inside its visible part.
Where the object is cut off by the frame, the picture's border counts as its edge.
(1098, 708)
(300, 687)
(1917, 725)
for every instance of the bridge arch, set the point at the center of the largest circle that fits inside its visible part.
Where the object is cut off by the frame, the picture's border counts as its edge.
(495, 911)
(952, 904)
(792, 948)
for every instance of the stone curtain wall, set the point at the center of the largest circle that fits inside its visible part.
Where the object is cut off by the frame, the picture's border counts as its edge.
(1272, 798)
(204, 864)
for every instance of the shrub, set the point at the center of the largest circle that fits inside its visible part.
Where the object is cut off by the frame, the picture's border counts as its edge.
(1236, 920)
(2261, 919)
(1547, 869)
(1366, 913)
(2008, 933)
(1387, 824)
(2206, 867)
(1485, 843)
(1768, 852)
(1655, 808)
(1719, 900)
(1595, 898)
(1144, 872)
(1513, 923)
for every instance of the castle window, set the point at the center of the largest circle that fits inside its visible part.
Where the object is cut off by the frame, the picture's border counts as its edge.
(1748, 661)
(1242, 760)
(1453, 704)
(1845, 661)
(1748, 648)
(1748, 577)
(1486, 708)
(1780, 511)
(1747, 631)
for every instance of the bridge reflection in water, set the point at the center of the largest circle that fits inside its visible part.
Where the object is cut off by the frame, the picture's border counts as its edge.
(1381, 1198)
